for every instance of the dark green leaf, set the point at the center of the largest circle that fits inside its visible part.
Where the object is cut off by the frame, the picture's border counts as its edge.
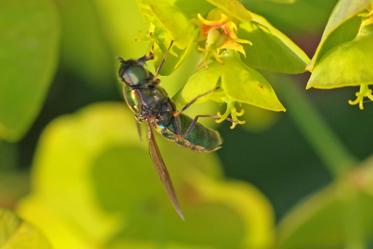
(271, 50)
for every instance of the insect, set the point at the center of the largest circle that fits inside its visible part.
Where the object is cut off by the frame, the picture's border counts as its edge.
(150, 104)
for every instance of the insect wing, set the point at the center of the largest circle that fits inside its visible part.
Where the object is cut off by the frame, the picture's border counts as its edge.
(162, 171)
(138, 128)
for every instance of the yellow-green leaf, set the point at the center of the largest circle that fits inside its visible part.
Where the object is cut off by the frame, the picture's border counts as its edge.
(349, 64)
(243, 84)
(232, 8)
(343, 26)
(128, 41)
(238, 83)
(28, 55)
(163, 13)
(94, 186)
(202, 81)
(17, 234)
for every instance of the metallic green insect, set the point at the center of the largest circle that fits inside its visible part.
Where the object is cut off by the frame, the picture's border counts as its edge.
(151, 104)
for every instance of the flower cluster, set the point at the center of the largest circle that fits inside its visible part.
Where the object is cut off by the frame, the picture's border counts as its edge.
(219, 33)
(231, 43)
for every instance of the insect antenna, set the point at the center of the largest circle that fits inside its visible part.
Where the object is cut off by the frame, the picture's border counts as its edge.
(159, 68)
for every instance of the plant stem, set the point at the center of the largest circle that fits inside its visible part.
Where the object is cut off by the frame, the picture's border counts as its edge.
(323, 140)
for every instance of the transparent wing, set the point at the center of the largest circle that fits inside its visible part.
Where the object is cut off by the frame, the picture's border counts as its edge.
(162, 170)
(139, 131)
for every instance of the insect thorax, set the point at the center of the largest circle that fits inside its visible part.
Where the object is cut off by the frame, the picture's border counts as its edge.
(150, 102)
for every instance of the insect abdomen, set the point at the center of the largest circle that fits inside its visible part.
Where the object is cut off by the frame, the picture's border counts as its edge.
(200, 138)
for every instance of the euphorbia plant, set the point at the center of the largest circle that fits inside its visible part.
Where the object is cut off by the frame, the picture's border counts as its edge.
(345, 55)
(232, 43)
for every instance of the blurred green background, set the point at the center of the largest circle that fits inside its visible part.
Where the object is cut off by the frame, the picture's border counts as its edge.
(270, 152)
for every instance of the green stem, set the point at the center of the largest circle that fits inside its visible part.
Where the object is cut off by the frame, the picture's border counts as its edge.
(325, 143)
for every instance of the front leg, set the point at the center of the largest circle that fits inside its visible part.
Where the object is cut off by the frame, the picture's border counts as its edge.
(190, 103)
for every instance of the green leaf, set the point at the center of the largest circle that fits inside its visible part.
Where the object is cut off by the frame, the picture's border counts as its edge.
(28, 40)
(192, 7)
(129, 41)
(291, 17)
(171, 18)
(245, 85)
(343, 26)
(169, 26)
(269, 52)
(338, 216)
(63, 145)
(282, 1)
(174, 82)
(17, 234)
(84, 50)
(349, 64)
(233, 8)
(204, 80)
(238, 82)
(93, 161)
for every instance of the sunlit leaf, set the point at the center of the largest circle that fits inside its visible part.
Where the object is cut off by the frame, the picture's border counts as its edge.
(28, 56)
(238, 82)
(349, 64)
(93, 161)
(342, 26)
(126, 40)
(202, 81)
(78, 142)
(174, 82)
(171, 18)
(61, 233)
(169, 26)
(245, 85)
(17, 234)
(192, 7)
(338, 216)
(233, 8)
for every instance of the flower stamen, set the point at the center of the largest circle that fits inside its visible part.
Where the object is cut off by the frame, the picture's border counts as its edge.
(364, 92)
(233, 113)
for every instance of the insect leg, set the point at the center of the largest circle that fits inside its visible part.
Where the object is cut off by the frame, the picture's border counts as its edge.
(178, 125)
(146, 58)
(177, 113)
(194, 122)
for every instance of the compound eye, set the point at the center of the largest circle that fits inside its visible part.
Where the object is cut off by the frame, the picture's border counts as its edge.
(135, 75)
